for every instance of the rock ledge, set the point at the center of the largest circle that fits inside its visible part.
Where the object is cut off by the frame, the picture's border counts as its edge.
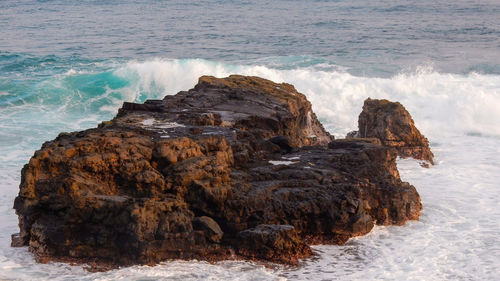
(238, 167)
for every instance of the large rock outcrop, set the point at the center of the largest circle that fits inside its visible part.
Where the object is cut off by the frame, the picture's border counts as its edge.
(237, 167)
(392, 124)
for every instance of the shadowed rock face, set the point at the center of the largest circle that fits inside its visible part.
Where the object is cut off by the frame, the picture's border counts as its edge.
(391, 123)
(238, 167)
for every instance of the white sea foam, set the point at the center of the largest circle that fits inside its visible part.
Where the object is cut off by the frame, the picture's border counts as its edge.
(155, 124)
(71, 72)
(148, 122)
(277, 162)
(440, 103)
(291, 158)
(167, 77)
(456, 237)
(168, 125)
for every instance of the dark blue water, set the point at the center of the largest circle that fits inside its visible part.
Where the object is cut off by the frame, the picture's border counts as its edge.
(369, 37)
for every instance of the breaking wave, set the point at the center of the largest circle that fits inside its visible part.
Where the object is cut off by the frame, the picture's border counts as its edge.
(456, 237)
(441, 103)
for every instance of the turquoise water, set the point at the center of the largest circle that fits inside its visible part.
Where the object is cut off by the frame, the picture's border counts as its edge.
(67, 66)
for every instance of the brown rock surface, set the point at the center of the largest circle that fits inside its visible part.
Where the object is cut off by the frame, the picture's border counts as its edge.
(392, 124)
(192, 175)
(278, 243)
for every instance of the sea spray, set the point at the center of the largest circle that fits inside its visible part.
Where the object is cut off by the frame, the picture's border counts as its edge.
(441, 103)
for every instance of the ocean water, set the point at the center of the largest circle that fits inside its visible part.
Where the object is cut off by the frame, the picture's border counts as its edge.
(66, 66)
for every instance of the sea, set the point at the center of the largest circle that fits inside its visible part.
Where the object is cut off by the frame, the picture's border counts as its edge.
(68, 65)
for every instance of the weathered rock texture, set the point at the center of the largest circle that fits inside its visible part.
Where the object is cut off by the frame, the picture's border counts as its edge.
(235, 167)
(391, 123)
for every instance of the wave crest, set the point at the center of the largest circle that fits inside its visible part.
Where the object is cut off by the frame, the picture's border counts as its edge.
(440, 103)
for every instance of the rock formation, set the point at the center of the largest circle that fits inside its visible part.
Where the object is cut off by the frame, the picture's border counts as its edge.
(391, 123)
(237, 167)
